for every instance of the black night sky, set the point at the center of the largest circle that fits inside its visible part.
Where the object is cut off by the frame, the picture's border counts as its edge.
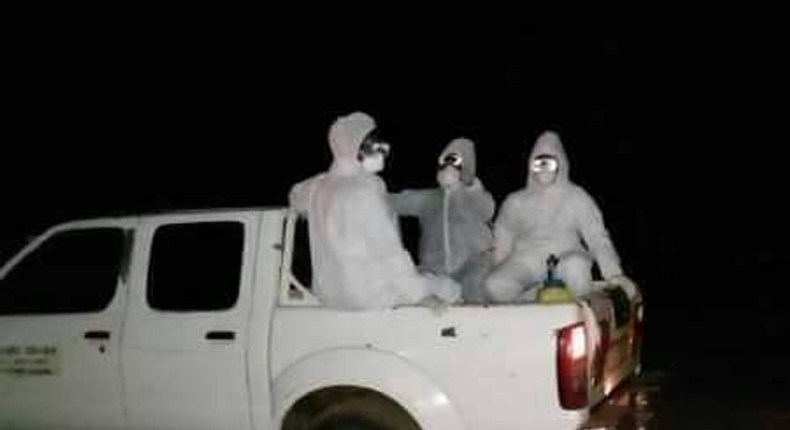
(675, 123)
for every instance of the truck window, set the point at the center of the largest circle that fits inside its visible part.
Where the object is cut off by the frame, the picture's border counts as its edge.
(410, 236)
(73, 271)
(301, 264)
(195, 267)
(299, 285)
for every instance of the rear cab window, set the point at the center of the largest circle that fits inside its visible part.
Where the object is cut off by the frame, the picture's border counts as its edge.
(196, 267)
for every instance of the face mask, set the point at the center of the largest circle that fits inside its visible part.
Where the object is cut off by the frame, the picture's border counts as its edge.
(373, 163)
(448, 176)
(545, 178)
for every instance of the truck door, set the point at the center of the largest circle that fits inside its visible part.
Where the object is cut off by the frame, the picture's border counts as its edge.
(187, 328)
(61, 312)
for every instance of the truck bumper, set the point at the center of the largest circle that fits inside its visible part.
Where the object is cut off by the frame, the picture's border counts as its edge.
(633, 405)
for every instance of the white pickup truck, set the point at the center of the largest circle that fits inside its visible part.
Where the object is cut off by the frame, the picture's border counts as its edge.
(205, 320)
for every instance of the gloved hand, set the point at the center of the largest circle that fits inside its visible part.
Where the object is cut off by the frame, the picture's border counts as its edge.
(444, 287)
(626, 284)
(437, 305)
(476, 185)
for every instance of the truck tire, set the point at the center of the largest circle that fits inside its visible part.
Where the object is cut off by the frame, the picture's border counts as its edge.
(365, 411)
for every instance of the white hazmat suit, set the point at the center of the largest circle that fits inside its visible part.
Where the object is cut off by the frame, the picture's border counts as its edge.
(551, 215)
(358, 259)
(456, 238)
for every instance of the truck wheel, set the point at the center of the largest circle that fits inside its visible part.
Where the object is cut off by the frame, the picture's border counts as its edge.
(367, 411)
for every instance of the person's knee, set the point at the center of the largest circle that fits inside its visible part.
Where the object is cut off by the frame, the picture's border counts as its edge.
(499, 288)
(442, 287)
(576, 271)
(472, 286)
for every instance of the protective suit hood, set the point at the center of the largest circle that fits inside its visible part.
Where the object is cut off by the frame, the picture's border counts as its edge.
(466, 149)
(549, 143)
(345, 137)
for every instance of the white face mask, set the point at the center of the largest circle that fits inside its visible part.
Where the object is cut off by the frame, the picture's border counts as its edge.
(545, 178)
(373, 163)
(448, 177)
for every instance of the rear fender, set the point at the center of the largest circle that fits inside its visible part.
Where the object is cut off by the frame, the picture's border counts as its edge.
(381, 371)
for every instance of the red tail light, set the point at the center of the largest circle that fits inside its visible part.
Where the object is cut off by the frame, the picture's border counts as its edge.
(599, 359)
(638, 331)
(572, 366)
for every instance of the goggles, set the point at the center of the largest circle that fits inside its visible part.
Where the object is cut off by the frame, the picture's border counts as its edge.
(374, 145)
(545, 163)
(451, 159)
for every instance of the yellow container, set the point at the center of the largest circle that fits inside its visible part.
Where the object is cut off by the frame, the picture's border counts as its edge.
(554, 294)
(553, 289)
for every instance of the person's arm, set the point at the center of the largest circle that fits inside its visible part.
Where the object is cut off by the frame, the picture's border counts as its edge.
(482, 202)
(299, 196)
(409, 202)
(371, 216)
(595, 235)
(369, 212)
(504, 231)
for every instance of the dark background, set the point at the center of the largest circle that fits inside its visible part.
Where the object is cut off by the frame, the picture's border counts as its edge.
(674, 121)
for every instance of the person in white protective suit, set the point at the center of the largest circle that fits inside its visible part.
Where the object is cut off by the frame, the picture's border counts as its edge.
(550, 216)
(358, 259)
(456, 238)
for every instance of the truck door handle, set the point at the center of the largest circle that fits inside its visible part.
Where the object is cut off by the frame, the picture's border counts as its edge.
(97, 335)
(221, 335)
